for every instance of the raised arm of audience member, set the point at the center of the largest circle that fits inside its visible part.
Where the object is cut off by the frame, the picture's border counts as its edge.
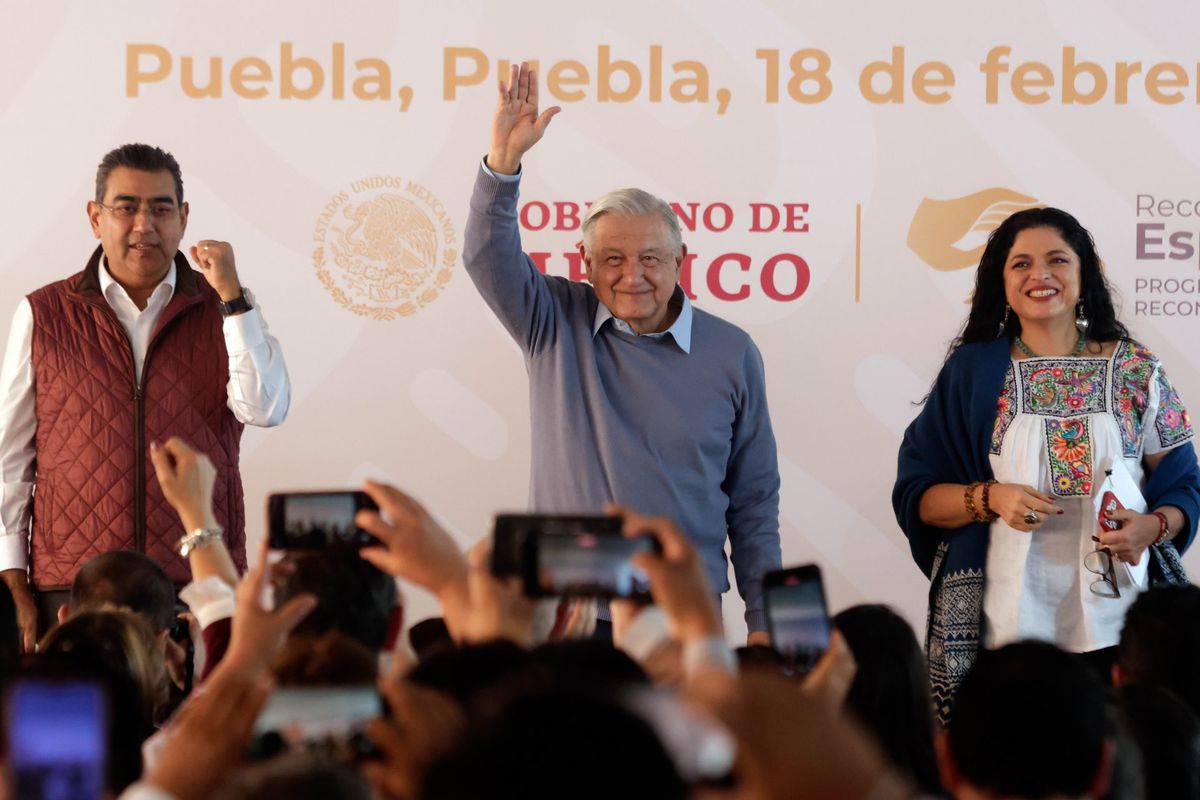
(790, 745)
(680, 588)
(830, 680)
(497, 608)
(422, 725)
(187, 477)
(210, 733)
(415, 548)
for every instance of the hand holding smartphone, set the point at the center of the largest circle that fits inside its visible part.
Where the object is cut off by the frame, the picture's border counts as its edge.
(570, 555)
(797, 614)
(57, 738)
(317, 520)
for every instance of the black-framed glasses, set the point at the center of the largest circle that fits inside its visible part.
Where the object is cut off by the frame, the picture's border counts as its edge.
(158, 211)
(1100, 562)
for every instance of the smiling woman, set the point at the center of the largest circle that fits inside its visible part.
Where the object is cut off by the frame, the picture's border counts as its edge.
(1042, 397)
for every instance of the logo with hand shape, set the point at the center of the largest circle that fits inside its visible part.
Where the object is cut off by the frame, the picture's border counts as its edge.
(941, 228)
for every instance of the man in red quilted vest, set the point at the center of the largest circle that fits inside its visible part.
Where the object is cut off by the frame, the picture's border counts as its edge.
(136, 348)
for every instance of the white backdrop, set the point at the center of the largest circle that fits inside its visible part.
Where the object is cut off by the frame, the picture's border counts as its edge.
(837, 212)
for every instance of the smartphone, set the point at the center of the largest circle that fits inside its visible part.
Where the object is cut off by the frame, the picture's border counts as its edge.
(322, 720)
(797, 615)
(586, 564)
(316, 520)
(313, 712)
(57, 738)
(1108, 504)
(511, 531)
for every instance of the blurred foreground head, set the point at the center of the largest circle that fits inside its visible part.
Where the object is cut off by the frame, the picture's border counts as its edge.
(1029, 721)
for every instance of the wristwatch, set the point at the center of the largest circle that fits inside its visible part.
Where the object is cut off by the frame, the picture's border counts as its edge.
(236, 305)
(199, 539)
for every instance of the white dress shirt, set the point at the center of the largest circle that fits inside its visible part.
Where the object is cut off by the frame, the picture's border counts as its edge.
(258, 392)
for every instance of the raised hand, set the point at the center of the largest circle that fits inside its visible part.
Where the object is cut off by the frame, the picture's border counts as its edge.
(677, 579)
(258, 634)
(208, 737)
(498, 607)
(517, 125)
(215, 260)
(423, 724)
(791, 744)
(413, 547)
(187, 478)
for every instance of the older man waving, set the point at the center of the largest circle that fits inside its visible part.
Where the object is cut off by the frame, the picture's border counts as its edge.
(636, 396)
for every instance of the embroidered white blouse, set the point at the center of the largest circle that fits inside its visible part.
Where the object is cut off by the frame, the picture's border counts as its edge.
(1058, 422)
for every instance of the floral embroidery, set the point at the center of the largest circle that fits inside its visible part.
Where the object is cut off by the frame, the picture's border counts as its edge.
(1133, 366)
(1063, 388)
(1006, 410)
(1172, 422)
(1069, 450)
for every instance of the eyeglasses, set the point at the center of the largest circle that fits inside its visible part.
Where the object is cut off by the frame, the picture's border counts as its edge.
(158, 211)
(1100, 562)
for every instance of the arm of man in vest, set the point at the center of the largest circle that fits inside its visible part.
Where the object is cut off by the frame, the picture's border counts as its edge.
(259, 389)
(18, 424)
(505, 277)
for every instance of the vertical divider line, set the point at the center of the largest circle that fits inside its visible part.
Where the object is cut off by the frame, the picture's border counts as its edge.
(858, 252)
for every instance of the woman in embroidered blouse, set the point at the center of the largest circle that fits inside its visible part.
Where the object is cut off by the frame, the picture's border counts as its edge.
(1041, 394)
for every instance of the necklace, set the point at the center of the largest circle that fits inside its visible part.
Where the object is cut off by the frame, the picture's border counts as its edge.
(1024, 348)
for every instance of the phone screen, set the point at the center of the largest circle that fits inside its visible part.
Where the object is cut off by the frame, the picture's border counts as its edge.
(512, 532)
(588, 564)
(57, 739)
(797, 615)
(316, 520)
(310, 712)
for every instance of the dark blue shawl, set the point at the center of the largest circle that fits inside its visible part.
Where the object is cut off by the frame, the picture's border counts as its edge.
(948, 442)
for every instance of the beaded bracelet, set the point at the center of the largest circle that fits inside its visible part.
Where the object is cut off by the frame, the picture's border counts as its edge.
(1164, 530)
(969, 499)
(988, 514)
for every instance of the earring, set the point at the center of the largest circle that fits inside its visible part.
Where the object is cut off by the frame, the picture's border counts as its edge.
(1081, 320)
(1004, 321)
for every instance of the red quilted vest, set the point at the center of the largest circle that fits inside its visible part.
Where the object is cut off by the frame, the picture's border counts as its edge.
(95, 488)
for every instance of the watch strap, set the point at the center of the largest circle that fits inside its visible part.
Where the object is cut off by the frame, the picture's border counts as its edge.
(236, 305)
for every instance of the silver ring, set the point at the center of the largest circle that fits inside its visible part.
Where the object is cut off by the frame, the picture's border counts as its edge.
(1032, 518)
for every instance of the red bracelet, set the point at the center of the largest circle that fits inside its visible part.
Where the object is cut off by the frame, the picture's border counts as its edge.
(1164, 531)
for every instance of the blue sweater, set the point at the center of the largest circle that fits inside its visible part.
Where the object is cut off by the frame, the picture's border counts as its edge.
(632, 419)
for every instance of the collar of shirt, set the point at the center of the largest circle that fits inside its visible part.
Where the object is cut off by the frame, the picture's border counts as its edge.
(680, 330)
(116, 296)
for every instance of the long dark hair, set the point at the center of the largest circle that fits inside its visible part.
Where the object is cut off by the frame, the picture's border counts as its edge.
(988, 305)
(890, 692)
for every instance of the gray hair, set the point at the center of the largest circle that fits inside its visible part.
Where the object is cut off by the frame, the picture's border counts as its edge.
(631, 203)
